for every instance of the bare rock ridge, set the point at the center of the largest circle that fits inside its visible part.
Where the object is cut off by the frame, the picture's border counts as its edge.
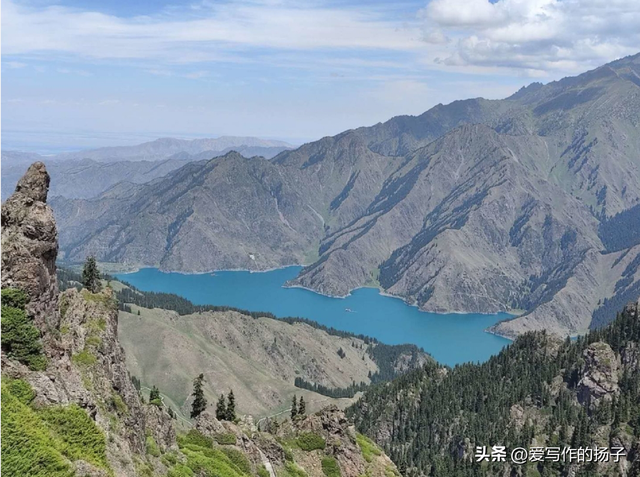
(476, 206)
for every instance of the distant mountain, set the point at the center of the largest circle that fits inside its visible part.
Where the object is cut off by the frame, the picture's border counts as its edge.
(474, 206)
(87, 174)
(165, 147)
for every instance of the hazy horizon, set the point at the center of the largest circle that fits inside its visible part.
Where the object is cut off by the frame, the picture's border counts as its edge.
(81, 74)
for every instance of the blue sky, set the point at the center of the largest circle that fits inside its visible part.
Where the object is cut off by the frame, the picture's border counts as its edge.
(79, 74)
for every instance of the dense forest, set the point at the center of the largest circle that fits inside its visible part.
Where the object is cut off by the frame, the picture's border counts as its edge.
(533, 393)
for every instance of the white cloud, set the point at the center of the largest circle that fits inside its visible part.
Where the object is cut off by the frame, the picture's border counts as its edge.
(212, 32)
(14, 64)
(534, 35)
(70, 71)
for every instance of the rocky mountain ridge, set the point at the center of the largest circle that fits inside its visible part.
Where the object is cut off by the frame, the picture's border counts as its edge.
(476, 206)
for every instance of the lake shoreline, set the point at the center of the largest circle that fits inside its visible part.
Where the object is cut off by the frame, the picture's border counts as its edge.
(451, 338)
(381, 291)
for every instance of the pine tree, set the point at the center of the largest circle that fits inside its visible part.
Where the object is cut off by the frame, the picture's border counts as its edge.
(199, 401)
(302, 407)
(294, 407)
(91, 275)
(221, 409)
(231, 407)
(154, 394)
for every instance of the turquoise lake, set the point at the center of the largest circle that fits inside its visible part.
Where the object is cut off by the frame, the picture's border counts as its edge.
(449, 338)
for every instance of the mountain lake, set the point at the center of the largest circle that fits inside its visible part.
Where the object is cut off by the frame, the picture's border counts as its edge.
(451, 338)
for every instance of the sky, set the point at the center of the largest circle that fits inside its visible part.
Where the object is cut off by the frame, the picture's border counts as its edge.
(87, 73)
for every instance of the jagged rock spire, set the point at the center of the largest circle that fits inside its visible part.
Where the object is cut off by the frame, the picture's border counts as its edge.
(30, 246)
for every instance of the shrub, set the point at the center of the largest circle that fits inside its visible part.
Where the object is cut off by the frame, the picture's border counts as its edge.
(196, 438)
(368, 448)
(210, 462)
(118, 404)
(180, 470)
(263, 472)
(14, 298)
(238, 459)
(84, 358)
(288, 455)
(80, 436)
(21, 390)
(27, 445)
(330, 467)
(308, 441)
(225, 439)
(294, 470)
(152, 447)
(20, 338)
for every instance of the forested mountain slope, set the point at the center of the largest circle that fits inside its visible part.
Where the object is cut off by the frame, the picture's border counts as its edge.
(474, 206)
(540, 391)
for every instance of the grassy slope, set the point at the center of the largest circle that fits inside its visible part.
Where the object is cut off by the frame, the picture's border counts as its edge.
(258, 358)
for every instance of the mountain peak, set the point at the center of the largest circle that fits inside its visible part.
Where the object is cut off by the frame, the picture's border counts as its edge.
(35, 182)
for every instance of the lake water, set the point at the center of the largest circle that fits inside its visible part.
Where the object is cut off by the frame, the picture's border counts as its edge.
(449, 338)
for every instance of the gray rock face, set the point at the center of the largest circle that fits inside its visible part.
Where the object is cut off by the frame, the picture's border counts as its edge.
(600, 376)
(30, 246)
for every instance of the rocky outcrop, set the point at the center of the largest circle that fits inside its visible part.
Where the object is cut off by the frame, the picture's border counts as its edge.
(85, 362)
(600, 376)
(340, 435)
(30, 247)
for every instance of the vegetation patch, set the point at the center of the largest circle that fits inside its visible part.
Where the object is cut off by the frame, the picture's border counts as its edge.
(20, 338)
(368, 448)
(238, 459)
(152, 446)
(225, 438)
(39, 442)
(330, 467)
(210, 462)
(196, 438)
(180, 470)
(390, 471)
(292, 469)
(20, 389)
(263, 472)
(309, 441)
(84, 358)
(118, 404)
(27, 444)
(81, 437)
(288, 455)
(99, 298)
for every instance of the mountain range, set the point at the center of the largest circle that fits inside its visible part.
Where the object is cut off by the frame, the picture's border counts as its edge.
(519, 204)
(86, 174)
